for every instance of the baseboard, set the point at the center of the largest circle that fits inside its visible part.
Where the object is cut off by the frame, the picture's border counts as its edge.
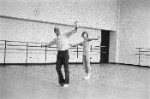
(129, 64)
(6, 64)
(43, 64)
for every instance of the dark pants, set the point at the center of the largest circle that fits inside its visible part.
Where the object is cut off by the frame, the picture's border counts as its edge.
(62, 59)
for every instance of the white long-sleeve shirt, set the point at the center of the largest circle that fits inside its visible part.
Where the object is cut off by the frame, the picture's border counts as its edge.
(62, 41)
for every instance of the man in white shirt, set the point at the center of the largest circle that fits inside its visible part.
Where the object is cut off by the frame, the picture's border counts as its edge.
(62, 56)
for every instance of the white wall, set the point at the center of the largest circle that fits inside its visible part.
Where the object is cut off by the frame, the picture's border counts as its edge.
(133, 30)
(92, 13)
(100, 14)
(113, 47)
(26, 31)
(131, 24)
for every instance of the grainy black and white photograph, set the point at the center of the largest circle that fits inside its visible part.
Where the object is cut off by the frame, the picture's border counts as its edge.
(74, 49)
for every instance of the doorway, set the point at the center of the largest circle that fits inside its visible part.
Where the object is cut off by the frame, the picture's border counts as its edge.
(105, 39)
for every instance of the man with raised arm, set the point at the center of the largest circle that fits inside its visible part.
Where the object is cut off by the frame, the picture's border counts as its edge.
(62, 44)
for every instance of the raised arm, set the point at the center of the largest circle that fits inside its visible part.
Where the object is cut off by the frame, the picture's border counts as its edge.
(68, 34)
(50, 43)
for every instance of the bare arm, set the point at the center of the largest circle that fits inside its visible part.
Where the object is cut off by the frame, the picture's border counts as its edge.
(90, 39)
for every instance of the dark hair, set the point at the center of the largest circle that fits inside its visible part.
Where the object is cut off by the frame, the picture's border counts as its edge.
(84, 33)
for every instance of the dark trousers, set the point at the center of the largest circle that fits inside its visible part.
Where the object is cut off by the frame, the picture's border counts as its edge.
(62, 59)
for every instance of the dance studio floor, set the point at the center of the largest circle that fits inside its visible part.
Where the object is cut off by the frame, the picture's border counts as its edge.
(108, 81)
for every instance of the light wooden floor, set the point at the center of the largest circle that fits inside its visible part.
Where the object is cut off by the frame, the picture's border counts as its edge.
(108, 81)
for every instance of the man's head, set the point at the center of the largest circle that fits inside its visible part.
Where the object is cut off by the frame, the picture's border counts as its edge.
(84, 34)
(56, 30)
